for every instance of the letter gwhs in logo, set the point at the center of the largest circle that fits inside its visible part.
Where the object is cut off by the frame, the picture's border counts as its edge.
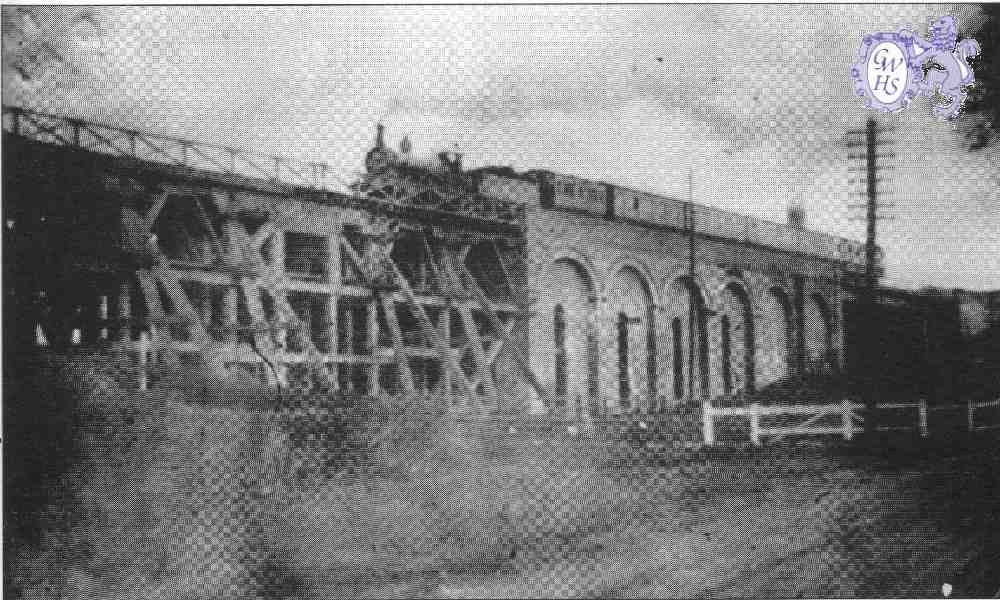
(884, 81)
(890, 73)
(880, 60)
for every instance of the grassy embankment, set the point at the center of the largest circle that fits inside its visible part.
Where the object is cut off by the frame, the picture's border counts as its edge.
(188, 492)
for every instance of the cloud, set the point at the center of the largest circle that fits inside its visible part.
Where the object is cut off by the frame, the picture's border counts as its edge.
(753, 100)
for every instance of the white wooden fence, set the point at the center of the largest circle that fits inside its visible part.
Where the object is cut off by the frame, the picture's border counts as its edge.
(755, 412)
(973, 406)
(922, 411)
(144, 357)
(920, 406)
(849, 418)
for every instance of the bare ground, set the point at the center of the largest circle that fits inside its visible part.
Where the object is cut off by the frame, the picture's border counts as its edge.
(775, 524)
(165, 497)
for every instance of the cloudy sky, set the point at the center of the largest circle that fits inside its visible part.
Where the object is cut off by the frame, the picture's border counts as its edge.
(753, 99)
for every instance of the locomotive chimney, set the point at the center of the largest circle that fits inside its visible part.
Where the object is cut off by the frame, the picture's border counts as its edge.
(796, 216)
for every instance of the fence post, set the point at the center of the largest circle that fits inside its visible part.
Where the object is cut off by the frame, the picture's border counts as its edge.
(41, 340)
(124, 315)
(847, 418)
(923, 417)
(143, 352)
(708, 421)
(755, 423)
(102, 317)
(76, 327)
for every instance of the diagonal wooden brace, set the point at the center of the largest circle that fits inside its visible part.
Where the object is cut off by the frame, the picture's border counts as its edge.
(262, 337)
(172, 285)
(505, 333)
(497, 345)
(428, 329)
(362, 265)
(418, 310)
(476, 345)
(154, 211)
(206, 223)
(151, 293)
(492, 351)
(260, 237)
(399, 348)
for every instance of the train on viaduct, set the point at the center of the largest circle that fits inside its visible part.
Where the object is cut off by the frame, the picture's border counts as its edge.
(487, 287)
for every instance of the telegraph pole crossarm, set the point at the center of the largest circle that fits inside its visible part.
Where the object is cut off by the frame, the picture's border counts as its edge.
(867, 296)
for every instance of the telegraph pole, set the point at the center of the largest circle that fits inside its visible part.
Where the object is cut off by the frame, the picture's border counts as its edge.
(868, 339)
(871, 216)
(693, 304)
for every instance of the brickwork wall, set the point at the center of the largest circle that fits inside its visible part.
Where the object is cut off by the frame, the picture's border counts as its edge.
(627, 269)
(724, 270)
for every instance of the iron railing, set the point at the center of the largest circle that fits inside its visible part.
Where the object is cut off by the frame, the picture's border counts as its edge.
(225, 160)
(153, 147)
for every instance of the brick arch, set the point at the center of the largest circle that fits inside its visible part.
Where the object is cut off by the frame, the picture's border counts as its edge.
(586, 266)
(700, 282)
(738, 336)
(686, 358)
(826, 291)
(631, 302)
(776, 336)
(760, 284)
(644, 272)
(772, 276)
(731, 281)
(819, 325)
(564, 330)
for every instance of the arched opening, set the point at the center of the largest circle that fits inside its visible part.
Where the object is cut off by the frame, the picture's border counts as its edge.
(565, 344)
(559, 329)
(676, 336)
(777, 347)
(651, 376)
(632, 301)
(624, 379)
(737, 308)
(727, 356)
(689, 328)
(818, 335)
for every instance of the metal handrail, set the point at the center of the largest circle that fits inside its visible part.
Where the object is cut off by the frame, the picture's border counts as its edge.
(103, 138)
(108, 139)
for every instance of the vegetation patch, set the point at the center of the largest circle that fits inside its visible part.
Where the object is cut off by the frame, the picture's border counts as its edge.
(173, 494)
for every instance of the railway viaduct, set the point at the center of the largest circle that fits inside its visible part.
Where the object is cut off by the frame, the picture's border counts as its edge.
(488, 287)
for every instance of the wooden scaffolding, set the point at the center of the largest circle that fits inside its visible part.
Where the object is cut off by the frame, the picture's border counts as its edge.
(411, 282)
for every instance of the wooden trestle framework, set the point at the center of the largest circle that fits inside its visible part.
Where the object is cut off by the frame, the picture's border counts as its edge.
(203, 269)
(253, 279)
